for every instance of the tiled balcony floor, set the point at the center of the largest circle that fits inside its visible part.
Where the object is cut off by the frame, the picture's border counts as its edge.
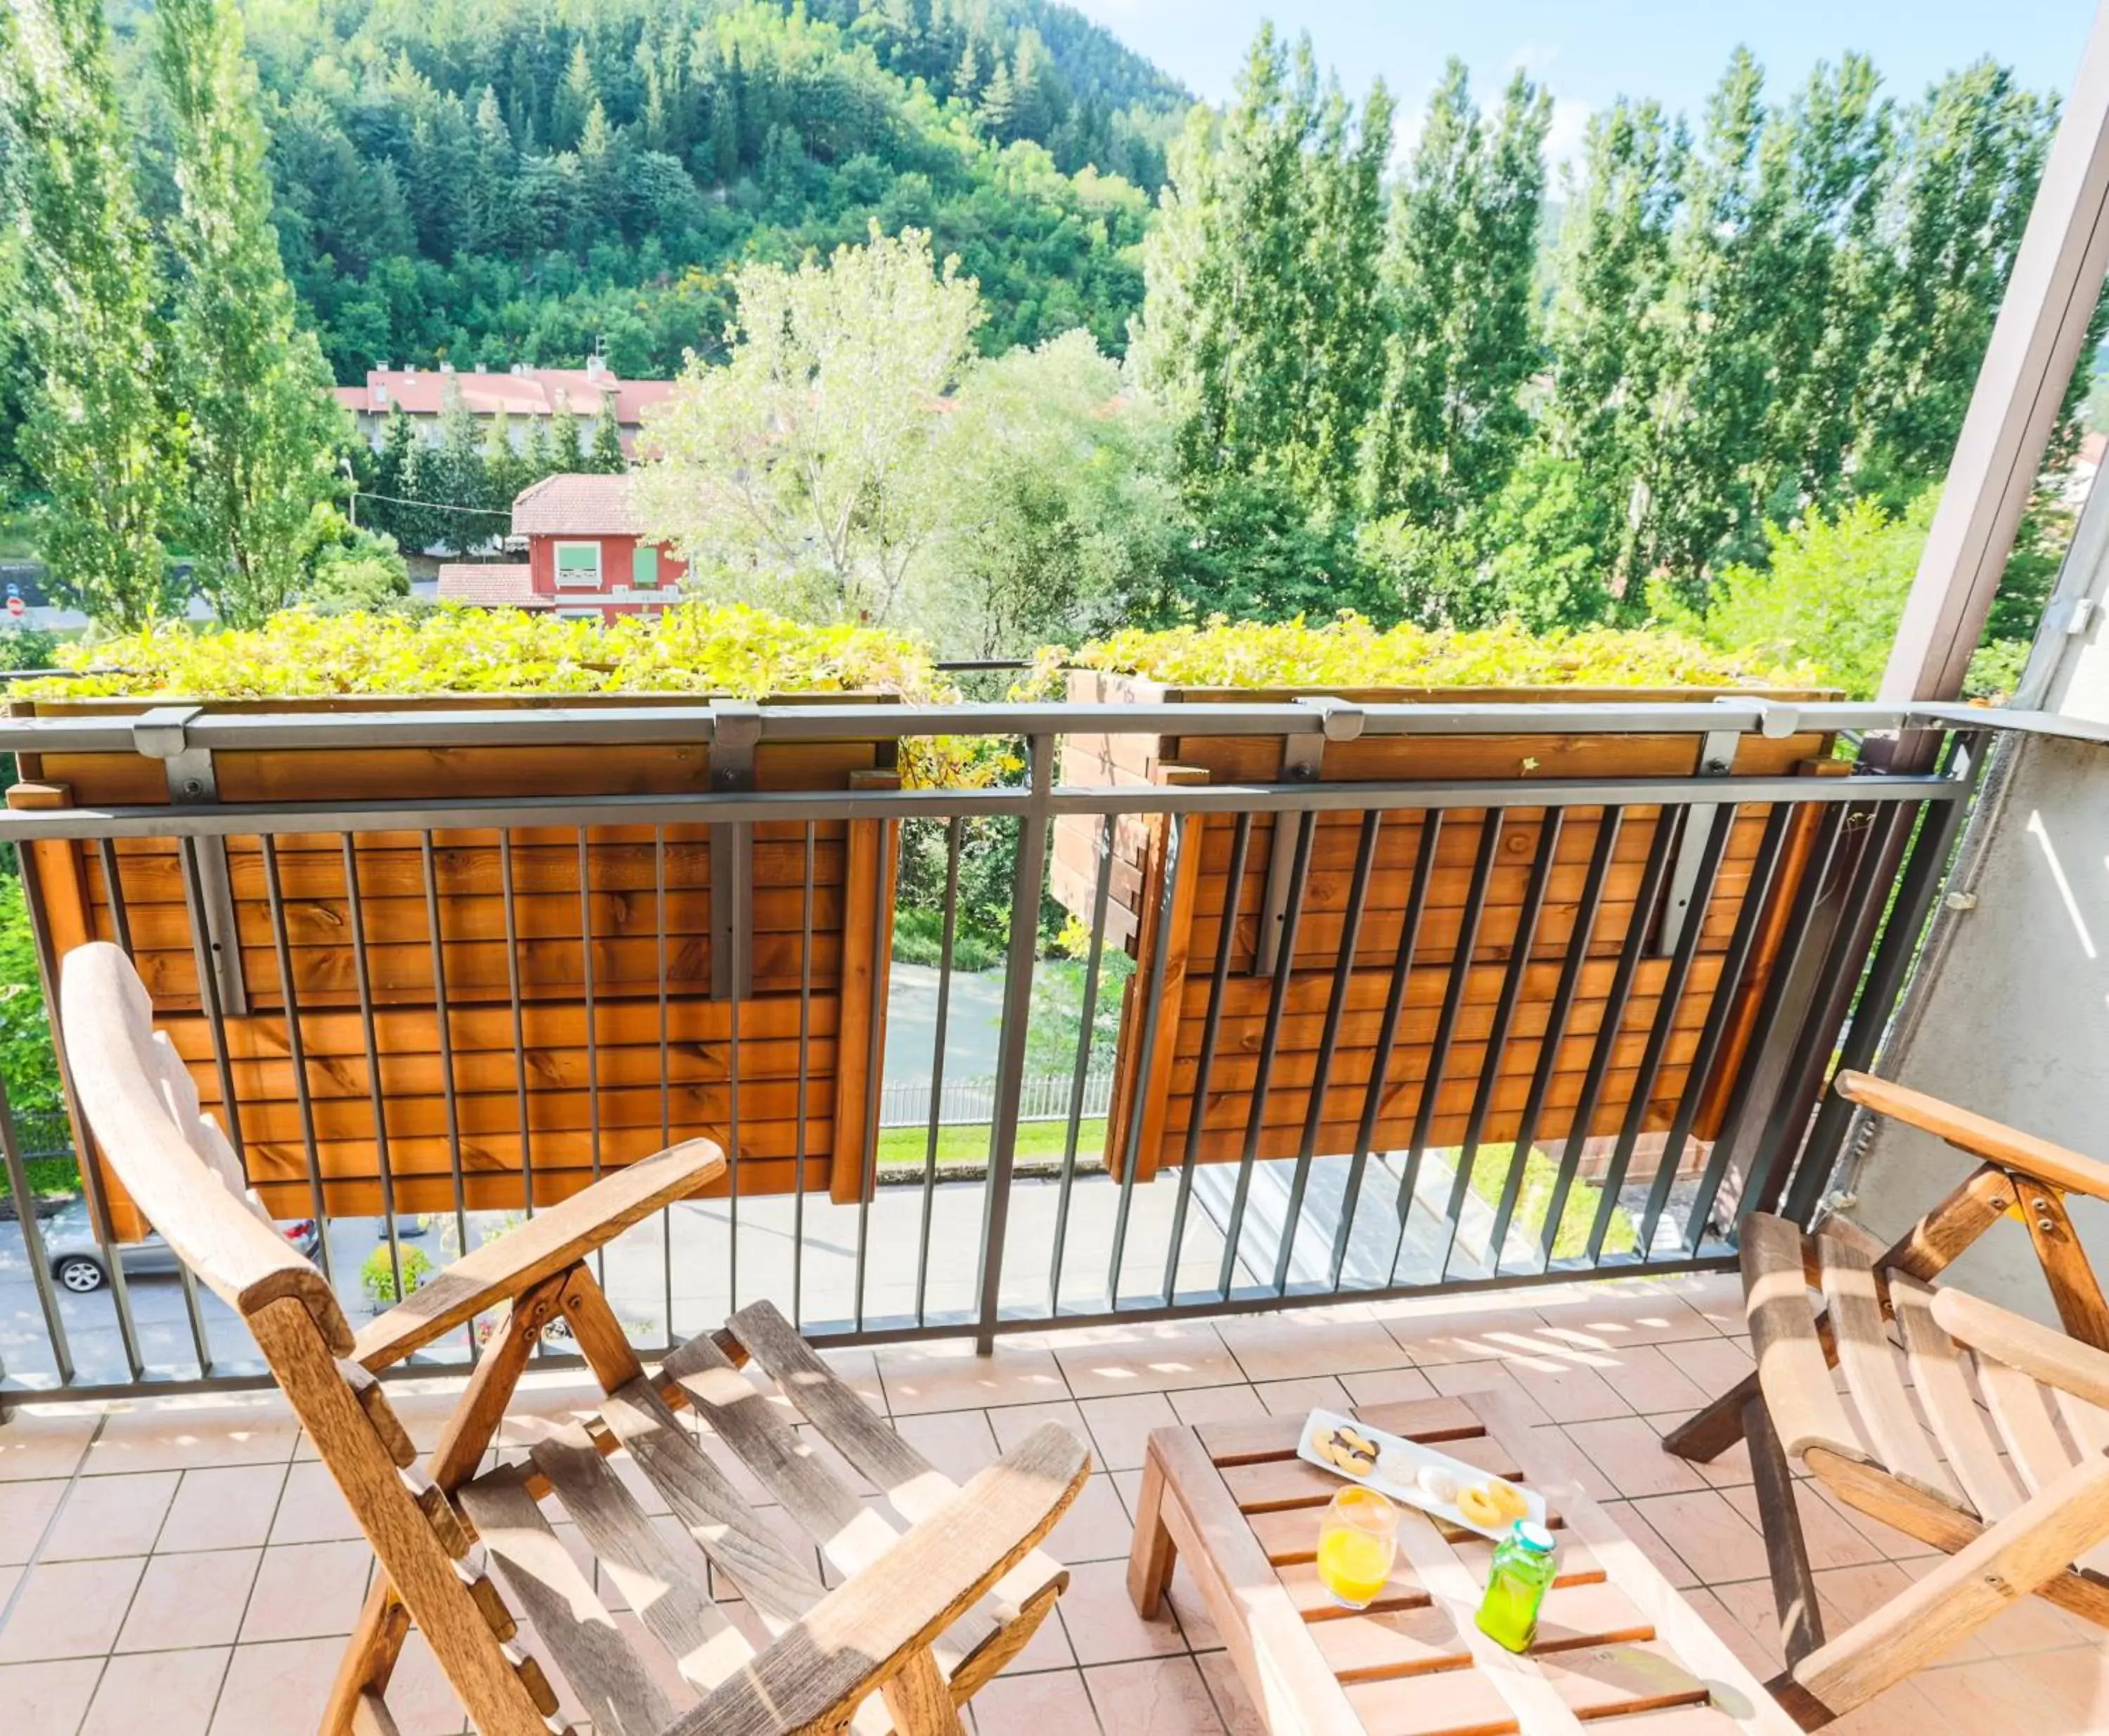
(184, 1566)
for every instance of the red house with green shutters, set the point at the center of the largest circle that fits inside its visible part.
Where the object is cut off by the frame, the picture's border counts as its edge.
(585, 559)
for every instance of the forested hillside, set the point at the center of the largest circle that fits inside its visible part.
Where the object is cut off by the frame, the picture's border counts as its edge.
(501, 181)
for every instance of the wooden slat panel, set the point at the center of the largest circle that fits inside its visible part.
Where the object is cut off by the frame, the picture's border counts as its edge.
(1805, 1405)
(2016, 1404)
(1455, 1702)
(667, 1593)
(618, 1693)
(1870, 1364)
(702, 1497)
(1617, 1680)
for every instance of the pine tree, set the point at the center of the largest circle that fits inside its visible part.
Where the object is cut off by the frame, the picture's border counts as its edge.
(460, 480)
(97, 437)
(263, 428)
(1458, 290)
(391, 478)
(497, 219)
(997, 110)
(605, 454)
(540, 456)
(574, 99)
(501, 466)
(564, 441)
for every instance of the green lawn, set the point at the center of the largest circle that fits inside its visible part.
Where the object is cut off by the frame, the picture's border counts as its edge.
(48, 1175)
(1037, 1141)
(1490, 1175)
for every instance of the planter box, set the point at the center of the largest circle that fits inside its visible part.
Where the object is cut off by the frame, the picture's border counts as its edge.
(1160, 1088)
(587, 961)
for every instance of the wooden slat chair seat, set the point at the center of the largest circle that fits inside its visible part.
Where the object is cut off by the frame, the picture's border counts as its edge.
(1956, 1421)
(920, 1605)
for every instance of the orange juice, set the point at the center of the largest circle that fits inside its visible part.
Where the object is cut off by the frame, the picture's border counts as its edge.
(1356, 1541)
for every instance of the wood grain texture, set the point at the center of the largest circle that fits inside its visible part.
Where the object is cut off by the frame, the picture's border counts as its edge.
(863, 1633)
(869, 878)
(2050, 1357)
(1792, 1368)
(1870, 1362)
(1952, 1410)
(2007, 1146)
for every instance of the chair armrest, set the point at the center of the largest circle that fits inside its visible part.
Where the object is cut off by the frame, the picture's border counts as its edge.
(1978, 1134)
(545, 1244)
(858, 1635)
(2042, 1353)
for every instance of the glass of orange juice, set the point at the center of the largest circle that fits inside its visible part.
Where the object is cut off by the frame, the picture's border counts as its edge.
(1356, 1539)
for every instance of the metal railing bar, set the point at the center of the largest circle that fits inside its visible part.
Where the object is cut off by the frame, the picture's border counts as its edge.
(33, 1242)
(1445, 1023)
(1211, 1025)
(1033, 840)
(947, 937)
(1809, 896)
(296, 1050)
(363, 983)
(222, 820)
(1277, 1005)
(443, 1007)
(113, 881)
(805, 1065)
(1179, 839)
(1608, 1033)
(685, 722)
(1497, 1034)
(1610, 822)
(1351, 932)
(1757, 903)
(1430, 838)
(1667, 1006)
(1095, 960)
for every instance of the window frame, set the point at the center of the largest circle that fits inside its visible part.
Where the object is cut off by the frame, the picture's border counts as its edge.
(598, 582)
(647, 555)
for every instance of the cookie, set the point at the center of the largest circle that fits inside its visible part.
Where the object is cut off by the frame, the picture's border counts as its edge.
(1506, 1499)
(1478, 1508)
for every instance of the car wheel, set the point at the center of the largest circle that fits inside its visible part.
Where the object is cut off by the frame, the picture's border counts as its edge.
(79, 1275)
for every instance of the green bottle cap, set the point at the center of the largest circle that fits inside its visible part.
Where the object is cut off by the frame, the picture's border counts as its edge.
(1532, 1536)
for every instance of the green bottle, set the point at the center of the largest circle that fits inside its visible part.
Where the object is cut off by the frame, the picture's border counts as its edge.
(1522, 1574)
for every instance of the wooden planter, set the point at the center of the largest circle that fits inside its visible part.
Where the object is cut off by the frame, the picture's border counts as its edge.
(1160, 1087)
(574, 949)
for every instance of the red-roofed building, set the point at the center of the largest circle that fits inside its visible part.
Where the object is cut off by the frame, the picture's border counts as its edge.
(585, 556)
(488, 584)
(523, 393)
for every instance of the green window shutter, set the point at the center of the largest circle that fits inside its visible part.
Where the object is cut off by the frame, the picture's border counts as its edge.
(578, 563)
(644, 567)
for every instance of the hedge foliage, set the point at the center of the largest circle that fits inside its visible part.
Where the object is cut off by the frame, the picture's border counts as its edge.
(1347, 652)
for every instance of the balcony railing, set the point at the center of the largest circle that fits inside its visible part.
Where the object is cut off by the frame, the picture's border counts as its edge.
(1542, 1048)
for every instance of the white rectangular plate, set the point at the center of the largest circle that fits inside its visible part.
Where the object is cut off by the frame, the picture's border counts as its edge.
(1408, 1491)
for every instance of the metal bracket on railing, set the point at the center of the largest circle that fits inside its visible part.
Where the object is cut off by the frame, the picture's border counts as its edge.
(1302, 754)
(163, 733)
(735, 728)
(1717, 759)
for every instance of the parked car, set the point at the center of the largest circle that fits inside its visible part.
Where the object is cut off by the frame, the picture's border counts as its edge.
(77, 1259)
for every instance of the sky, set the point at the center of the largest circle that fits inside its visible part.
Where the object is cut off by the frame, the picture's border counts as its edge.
(1588, 51)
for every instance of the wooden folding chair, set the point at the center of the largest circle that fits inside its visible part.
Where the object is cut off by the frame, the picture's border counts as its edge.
(1997, 1452)
(920, 1620)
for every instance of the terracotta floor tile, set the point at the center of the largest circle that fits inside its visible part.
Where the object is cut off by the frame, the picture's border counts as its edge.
(1904, 1709)
(1714, 1540)
(1120, 1426)
(190, 1600)
(1013, 1422)
(223, 1509)
(1238, 1404)
(948, 1375)
(277, 1690)
(1613, 1317)
(69, 1609)
(1294, 1398)
(174, 1435)
(1895, 1545)
(1574, 1395)
(1711, 1364)
(2074, 1682)
(1651, 1544)
(1054, 1703)
(35, 1445)
(959, 1443)
(47, 1699)
(1285, 1346)
(421, 1697)
(1047, 1650)
(1095, 1528)
(1388, 1386)
(1762, 1659)
(311, 1508)
(1430, 1334)
(1157, 1696)
(1652, 1384)
(1833, 1541)
(1628, 1455)
(1194, 1621)
(1462, 1379)
(25, 1509)
(112, 1516)
(308, 1590)
(1228, 1689)
(1102, 1624)
(1144, 1358)
(169, 1693)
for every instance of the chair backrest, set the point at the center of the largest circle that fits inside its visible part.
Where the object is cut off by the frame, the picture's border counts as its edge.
(141, 1104)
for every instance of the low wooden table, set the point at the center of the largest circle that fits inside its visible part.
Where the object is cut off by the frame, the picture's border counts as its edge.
(1617, 1646)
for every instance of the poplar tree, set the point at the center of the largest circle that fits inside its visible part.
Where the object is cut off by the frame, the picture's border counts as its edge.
(605, 454)
(1459, 297)
(262, 425)
(97, 437)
